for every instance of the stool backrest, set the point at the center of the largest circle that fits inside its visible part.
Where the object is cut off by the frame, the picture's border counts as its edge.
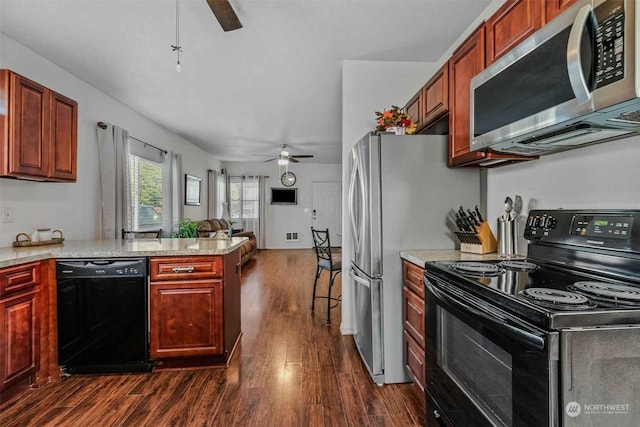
(322, 244)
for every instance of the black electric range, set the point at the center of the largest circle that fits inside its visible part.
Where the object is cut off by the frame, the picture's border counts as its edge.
(561, 327)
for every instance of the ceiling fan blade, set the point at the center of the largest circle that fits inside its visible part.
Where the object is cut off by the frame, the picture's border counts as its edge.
(302, 156)
(291, 159)
(225, 14)
(269, 160)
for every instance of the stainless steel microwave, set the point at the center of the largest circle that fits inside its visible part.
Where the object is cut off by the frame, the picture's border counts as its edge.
(574, 82)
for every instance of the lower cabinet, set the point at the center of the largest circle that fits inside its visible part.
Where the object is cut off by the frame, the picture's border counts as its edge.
(413, 319)
(20, 340)
(186, 319)
(194, 309)
(20, 317)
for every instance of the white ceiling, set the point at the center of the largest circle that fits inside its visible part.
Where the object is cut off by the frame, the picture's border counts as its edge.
(240, 93)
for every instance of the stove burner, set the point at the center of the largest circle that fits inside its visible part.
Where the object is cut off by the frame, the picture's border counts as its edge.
(519, 265)
(557, 299)
(477, 269)
(610, 292)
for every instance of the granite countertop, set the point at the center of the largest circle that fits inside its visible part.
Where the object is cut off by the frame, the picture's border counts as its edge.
(119, 248)
(420, 258)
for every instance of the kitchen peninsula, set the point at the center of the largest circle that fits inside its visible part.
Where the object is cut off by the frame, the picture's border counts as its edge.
(194, 304)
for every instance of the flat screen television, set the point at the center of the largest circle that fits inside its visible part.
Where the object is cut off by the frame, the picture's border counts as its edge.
(284, 196)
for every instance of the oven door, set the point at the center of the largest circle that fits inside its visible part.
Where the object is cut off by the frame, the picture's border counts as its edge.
(485, 367)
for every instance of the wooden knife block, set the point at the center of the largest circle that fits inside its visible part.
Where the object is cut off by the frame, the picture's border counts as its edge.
(482, 242)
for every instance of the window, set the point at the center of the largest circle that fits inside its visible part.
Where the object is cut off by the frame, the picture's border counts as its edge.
(243, 198)
(146, 187)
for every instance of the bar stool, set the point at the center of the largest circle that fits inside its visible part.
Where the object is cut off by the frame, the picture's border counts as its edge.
(326, 261)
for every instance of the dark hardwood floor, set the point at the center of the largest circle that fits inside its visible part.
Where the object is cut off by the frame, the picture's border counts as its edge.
(289, 370)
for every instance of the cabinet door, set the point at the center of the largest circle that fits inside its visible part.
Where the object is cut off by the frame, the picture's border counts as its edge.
(20, 339)
(465, 63)
(28, 128)
(556, 7)
(414, 360)
(413, 315)
(186, 318)
(512, 23)
(63, 137)
(413, 108)
(435, 96)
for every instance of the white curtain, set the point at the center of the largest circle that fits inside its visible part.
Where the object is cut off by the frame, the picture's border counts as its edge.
(262, 202)
(113, 160)
(216, 197)
(174, 192)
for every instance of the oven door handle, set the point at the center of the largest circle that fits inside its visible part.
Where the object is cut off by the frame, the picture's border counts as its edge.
(522, 336)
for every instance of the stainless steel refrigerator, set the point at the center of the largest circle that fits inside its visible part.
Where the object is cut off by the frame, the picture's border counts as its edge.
(399, 196)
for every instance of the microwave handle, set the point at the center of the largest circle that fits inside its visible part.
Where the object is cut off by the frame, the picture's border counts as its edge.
(574, 63)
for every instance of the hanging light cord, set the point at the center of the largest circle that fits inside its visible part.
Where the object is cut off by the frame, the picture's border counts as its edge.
(177, 47)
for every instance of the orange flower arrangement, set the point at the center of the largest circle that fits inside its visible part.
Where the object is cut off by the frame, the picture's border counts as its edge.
(395, 117)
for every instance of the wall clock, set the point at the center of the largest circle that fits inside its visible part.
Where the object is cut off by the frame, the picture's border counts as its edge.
(288, 179)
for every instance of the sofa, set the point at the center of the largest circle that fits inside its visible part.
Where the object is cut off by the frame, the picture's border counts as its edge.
(247, 250)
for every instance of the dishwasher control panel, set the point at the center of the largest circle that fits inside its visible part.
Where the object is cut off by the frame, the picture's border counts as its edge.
(117, 267)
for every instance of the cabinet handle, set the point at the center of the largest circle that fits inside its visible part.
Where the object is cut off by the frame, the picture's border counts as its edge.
(183, 269)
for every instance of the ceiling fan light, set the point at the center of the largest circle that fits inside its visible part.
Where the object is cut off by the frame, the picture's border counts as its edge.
(283, 162)
(284, 153)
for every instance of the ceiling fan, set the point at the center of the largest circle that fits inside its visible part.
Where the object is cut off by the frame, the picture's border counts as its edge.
(225, 14)
(285, 157)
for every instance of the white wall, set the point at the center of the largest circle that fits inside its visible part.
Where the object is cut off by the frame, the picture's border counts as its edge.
(281, 219)
(369, 86)
(74, 207)
(605, 175)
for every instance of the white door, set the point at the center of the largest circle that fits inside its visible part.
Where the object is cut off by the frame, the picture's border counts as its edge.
(327, 209)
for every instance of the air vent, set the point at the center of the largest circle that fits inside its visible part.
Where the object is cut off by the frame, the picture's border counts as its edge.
(291, 236)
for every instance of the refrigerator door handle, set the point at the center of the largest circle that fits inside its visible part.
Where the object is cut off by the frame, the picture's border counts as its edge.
(352, 205)
(358, 279)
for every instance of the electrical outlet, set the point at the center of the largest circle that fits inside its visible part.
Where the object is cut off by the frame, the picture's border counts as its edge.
(7, 215)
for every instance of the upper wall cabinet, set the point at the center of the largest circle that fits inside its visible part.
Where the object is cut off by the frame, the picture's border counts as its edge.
(414, 109)
(512, 23)
(556, 7)
(435, 97)
(467, 61)
(39, 131)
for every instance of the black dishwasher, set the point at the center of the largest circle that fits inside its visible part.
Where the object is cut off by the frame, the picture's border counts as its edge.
(103, 315)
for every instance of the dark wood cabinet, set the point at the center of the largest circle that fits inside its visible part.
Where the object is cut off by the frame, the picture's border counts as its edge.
(39, 131)
(435, 97)
(512, 23)
(20, 323)
(63, 138)
(414, 109)
(413, 321)
(467, 61)
(186, 318)
(554, 8)
(194, 309)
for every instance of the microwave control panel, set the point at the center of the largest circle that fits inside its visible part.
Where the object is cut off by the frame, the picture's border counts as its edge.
(610, 42)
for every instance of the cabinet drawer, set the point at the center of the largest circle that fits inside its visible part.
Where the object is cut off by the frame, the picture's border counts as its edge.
(412, 275)
(414, 360)
(185, 268)
(413, 315)
(19, 277)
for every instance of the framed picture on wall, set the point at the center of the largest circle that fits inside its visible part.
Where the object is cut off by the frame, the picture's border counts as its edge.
(192, 190)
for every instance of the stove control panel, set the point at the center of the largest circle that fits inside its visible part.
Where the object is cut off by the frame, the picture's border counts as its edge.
(604, 226)
(608, 229)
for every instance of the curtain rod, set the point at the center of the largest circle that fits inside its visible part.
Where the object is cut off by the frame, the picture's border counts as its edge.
(150, 145)
(103, 125)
